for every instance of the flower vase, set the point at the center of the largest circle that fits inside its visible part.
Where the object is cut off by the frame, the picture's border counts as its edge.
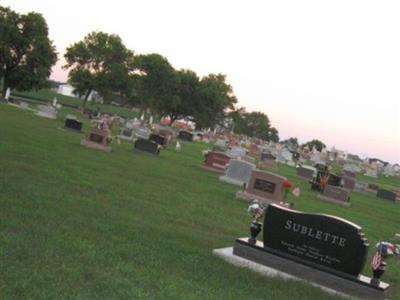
(255, 229)
(377, 273)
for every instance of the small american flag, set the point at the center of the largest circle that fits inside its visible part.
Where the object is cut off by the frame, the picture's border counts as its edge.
(376, 260)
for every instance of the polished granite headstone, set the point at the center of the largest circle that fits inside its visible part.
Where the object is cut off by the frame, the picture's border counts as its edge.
(306, 172)
(385, 194)
(185, 135)
(159, 139)
(336, 195)
(146, 146)
(318, 248)
(216, 161)
(264, 186)
(322, 241)
(97, 138)
(73, 124)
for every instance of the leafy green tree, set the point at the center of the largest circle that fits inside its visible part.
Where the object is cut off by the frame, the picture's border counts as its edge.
(214, 98)
(317, 143)
(291, 142)
(156, 83)
(253, 124)
(99, 62)
(273, 135)
(26, 52)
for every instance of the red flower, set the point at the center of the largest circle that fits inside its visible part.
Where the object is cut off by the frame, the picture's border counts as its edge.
(323, 181)
(287, 184)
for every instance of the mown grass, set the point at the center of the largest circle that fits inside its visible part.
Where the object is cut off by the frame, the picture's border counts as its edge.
(48, 96)
(77, 223)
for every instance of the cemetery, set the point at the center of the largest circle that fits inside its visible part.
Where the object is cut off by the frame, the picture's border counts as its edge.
(125, 177)
(115, 191)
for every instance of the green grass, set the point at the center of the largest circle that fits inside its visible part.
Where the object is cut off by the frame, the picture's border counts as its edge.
(48, 96)
(77, 223)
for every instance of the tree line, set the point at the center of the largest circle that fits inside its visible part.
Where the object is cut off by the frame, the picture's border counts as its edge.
(102, 63)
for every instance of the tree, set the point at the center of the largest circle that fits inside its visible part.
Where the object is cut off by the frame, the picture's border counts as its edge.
(291, 142)
(317, 143)
(156, 83)
(26, 52)
(214, 98)
(100, 62)
(253, 124)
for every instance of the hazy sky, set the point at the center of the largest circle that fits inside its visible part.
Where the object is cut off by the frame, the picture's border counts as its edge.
(319, 69)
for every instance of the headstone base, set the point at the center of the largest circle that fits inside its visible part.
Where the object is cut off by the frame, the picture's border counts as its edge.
(44, 115)
(96, 146)
(278, 266)
(332, 200)
(213, 169)
(231, 180)
(250, 197)
(125, 138)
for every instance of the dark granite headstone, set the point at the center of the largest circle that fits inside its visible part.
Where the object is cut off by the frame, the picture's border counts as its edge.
(265, 156)
(335, 194)
(334, 180)
(96, 138)
(385, 194)
(185, 135)
(159, 139)
(373, 186)
(147, 146)
(324, 242)
(73, 124)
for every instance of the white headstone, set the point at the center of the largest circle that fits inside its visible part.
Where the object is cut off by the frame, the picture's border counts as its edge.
(7, 95)
(151, 120)
(178, 146)
(238, 172)
(55, 101)
(46, 111)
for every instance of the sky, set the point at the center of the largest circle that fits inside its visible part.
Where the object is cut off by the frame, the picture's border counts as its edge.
(328, 70)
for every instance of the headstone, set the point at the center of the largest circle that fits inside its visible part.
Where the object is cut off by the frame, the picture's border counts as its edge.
(269, 164)
(54, 102)
(216, 161)
(72, 123)
(385, 194)
(238, 172)
(335, 194)
(349, 183)
(126, 134)
(322, 249)
(142, 133)
(306, 172)
(236, 152)
(146, 146)
(23, 105)
(178, 146)
(159, 139)
(371, 173)
(185, 135)
(98, 139)
(372, 187)
(169, 134)
(249, 159)
(8, 93)
(266, 155)
(264, 186)
(46, 111)
(360, 186)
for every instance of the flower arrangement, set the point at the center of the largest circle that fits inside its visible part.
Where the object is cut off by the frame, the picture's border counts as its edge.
(286, 186)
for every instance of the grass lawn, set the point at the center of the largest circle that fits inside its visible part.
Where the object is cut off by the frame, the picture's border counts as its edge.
(48, 96)
(77, 223)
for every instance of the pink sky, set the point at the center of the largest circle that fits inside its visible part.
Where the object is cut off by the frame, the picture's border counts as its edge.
(318, 69)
